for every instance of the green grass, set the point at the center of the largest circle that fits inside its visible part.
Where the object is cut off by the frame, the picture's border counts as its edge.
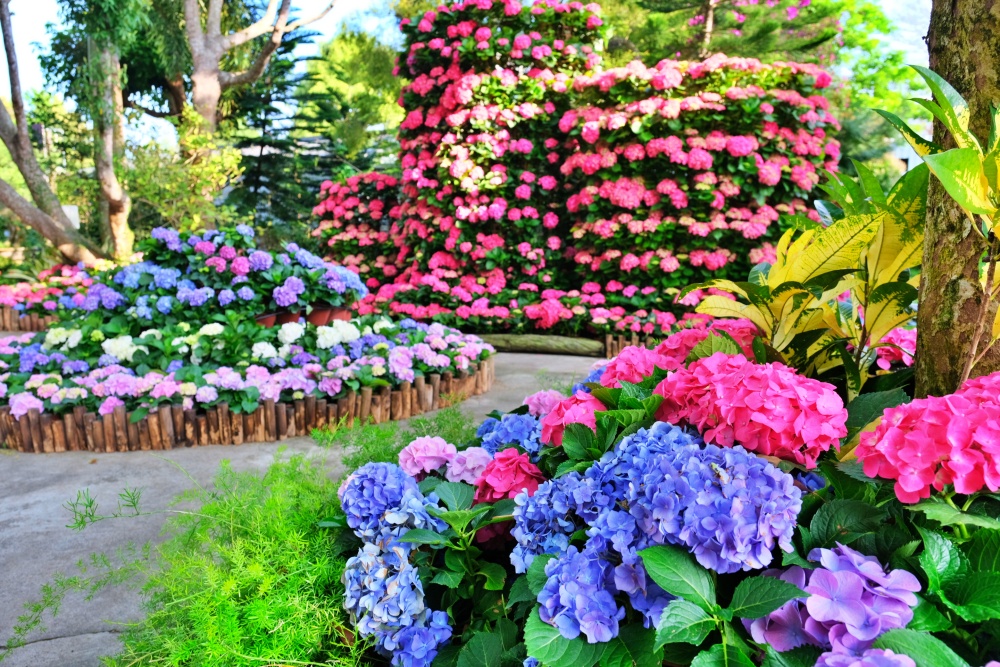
(246, 577)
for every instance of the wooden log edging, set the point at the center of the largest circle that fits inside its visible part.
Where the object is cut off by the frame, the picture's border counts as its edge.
(18, 322)
(172, 427)
(609, 348)
(613, 345)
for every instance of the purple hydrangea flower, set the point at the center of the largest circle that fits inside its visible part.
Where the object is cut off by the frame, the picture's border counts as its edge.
(578, 596)
(873, 657)
(381, 500)
(544, 522)
(246, 231)
(260, 260)
(852, 600)
(417, 645)
(226, 297)
(206, 394)
(244, 293)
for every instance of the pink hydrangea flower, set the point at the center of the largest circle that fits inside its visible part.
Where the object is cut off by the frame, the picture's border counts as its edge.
(468, 465)
(22, 403)
(633, 364)
(580, 408)
(542, 403)
(905, 342)
(424, 455)
(507, 475)
(767, 408)
(109, 405)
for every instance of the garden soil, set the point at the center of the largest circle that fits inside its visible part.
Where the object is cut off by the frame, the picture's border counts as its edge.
(36, 545)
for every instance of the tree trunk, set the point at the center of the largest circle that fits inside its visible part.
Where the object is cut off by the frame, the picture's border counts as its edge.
(68, 242)
(964, 47)
(206, 91)
(706, 37)
(109, 133)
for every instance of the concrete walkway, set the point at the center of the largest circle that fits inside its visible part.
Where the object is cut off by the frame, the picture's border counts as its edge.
(35, 544)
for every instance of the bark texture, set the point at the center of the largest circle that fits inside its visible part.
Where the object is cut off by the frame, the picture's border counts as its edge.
(109, 134)
(964, 46)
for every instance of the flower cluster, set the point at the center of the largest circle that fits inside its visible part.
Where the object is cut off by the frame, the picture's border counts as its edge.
(523, 431)
(936, 441)
(382, 588)
(767, 408)
(852, 600)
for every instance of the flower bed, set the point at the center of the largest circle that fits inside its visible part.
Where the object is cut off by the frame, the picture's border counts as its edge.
(29, 306)
(542, 192)
(126, 357)
(687, 505)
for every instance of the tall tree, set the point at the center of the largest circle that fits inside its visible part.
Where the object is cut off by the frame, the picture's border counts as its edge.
(209, 46)
(44, 212)
(964, 48)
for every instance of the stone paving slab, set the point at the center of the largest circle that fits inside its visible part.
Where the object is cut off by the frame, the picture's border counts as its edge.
(35, 545)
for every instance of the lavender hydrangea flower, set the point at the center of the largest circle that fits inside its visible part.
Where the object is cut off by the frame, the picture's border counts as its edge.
(226, 297)
(164, 304)
(260, 260)
(244, 293)
(852, 600)
(246, 231)
(578, 596)
(874, 657)
(380, 501)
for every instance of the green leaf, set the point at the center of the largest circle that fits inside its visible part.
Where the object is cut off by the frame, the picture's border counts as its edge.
(759, 596)
(424, 536)
(947, 515)
(941, 560)
(577, 439)
(983, 551)
(428, 484)
(954, 109)
(683, 622)
(633, 647)
(713, 343)
(536, 573)
(677, 572)
(520, 591)
(804, 656)
(547, 645)
(508, 632)
(960, 171)
(927, 618)
(459, 520)
(722, 656)
(484, 649)
(864, 409)
(924, 649)
(975, 596)
(500, 511)
(456, 495)
(495, 576)
(139, 415)
(843, 521)
(448, 578)
(869, 182)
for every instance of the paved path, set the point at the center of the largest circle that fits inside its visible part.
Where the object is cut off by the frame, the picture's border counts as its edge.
(35, 544)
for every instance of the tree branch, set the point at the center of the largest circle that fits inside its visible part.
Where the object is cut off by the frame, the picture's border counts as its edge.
(295, 25)
(68, 241)
(192, 26)
(252, 73)
(132, 104)
(23, 142)
(213, 22)
(255, 30)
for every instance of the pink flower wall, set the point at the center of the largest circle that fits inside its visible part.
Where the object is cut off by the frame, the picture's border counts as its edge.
(540, 191)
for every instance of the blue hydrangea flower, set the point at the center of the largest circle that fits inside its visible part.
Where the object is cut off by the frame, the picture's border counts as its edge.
(417, 645)
(245, 230)
(381, 500)
(544, 522)
(164, 304)
(244, 293)
(525, 431)
(226, 297)
(578, 596)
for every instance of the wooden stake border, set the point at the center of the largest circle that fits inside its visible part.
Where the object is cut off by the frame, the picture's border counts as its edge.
(172, 427)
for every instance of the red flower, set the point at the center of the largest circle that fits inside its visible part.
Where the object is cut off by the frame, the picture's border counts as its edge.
(509, 473)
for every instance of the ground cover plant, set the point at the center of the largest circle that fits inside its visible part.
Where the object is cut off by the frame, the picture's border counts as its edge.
(180, 327)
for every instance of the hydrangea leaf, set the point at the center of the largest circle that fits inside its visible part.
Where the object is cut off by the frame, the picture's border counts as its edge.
(577, 439)
(633, 647)
(536, 573)
(975, 596)
(484, 649)
(456, 495)
(714, 342)
(983, 551)
(495, 576)
(508, 632)
(941, 560)
(722, 655)
(546, 644)
(864, 409)
(804, 656)
(520, 591)
(683, 622)
(448, 578)
(759, 596)
(424, 536)
(924, 649)
(677, 572)
(842, 521)
(927, 618)
(947, 515)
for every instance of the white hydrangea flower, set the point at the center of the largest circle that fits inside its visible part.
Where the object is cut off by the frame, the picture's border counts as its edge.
(284, 351)
(213, 329)
(56, 336)
(122, 347)
(155, 333)
(290, 332)
(382, 325)
(338, 332)
(348, 332)
(263, 351)
(75, 337)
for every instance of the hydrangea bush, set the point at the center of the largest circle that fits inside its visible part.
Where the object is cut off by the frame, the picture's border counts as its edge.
(538, 188)
(693, 504)
(179, 326)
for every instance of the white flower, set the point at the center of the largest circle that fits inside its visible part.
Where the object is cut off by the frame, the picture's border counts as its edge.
(188, 389)
(284, 351)
(74, 339)
(263, 351)
(56, 336)
(184, 326)
(382, 325)
(213, 329)
(122, 348)
(290, 332)
(338, 332)
(155, 333)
